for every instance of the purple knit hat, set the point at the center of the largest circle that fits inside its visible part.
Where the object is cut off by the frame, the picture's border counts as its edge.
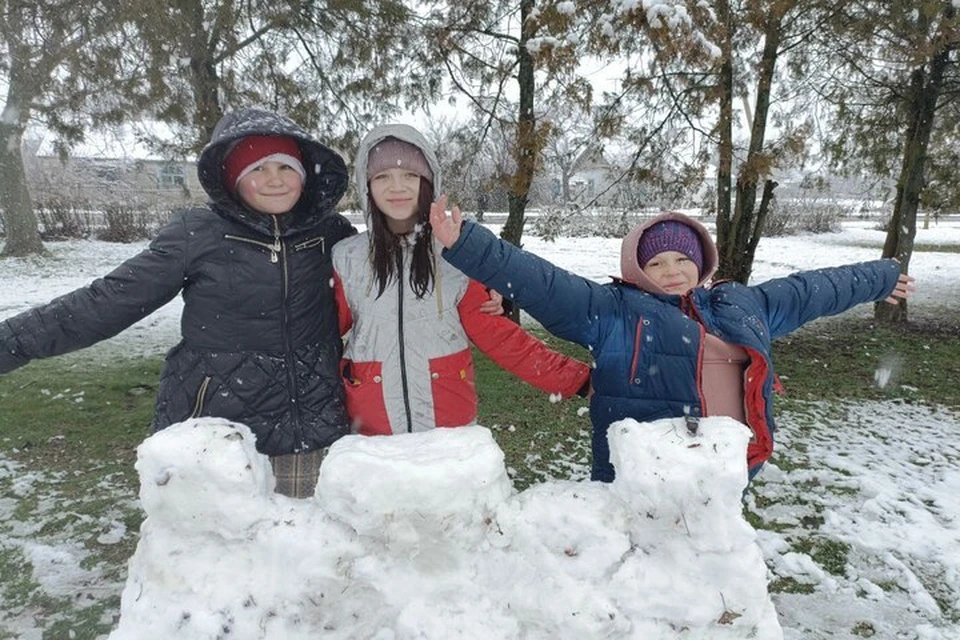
(393, 153)
(670, 235)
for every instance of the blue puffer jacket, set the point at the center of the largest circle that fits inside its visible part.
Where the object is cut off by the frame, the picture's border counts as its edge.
(648, 346)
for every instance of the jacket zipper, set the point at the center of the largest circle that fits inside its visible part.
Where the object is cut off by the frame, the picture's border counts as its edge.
(278, 251)
(275, 248)
(309, 244)
(201, 397)
(690, 310)
(403, 362)
(637, 339)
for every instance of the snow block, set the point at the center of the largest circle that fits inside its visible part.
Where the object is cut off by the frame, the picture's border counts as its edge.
(203, 474)
(685, 491)
(384, 486)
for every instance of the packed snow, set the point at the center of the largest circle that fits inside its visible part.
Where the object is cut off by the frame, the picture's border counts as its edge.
(425, 537)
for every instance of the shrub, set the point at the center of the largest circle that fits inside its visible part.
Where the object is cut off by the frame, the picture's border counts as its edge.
(124, 224)
(579, 224)
(789, 217)
(61, 219)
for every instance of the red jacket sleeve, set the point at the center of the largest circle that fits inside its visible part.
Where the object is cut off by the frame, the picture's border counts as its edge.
(513, 349)
(344, 317)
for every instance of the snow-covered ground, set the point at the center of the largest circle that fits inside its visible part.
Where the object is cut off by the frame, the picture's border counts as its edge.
(881, 478)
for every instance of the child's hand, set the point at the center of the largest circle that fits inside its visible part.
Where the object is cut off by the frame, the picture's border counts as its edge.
(446, 228)
(902, 290)
(493, 306)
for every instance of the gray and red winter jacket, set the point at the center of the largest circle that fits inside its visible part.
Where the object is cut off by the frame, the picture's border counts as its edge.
(407, 362)
(260, 342)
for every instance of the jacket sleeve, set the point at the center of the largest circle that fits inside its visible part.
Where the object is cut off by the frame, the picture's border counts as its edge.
(513, 349)
(799, 298)
(103, 308)
(344, 316)
(567, 305)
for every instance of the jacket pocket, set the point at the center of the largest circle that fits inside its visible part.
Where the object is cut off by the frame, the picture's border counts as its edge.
(201, 397)
(363, 385)
(319, 241)
(454, 389)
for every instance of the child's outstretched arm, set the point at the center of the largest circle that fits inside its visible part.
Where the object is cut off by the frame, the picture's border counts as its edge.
(515, 350)
(793, 301)
(569, 306)
(100, 310)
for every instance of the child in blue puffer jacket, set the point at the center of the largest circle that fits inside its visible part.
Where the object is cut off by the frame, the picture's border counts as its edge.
(664, 344)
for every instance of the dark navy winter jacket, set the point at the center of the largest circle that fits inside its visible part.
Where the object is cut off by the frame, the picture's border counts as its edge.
(260, 340)
(648, 347)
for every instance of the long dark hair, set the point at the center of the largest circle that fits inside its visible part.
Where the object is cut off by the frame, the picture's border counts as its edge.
(387, 253)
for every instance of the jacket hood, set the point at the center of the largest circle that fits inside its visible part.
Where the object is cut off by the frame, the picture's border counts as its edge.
(631, 270)
(402, 132)
(326, 181)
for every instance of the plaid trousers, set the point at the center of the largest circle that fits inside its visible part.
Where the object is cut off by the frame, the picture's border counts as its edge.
(297, 473)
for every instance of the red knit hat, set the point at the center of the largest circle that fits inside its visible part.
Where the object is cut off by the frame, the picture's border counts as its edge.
(250, 152)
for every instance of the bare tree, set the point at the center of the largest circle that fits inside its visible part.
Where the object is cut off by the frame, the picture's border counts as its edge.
(503, 58)
(60, 55)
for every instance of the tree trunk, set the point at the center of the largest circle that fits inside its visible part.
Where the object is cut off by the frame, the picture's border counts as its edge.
(525, 146)
(725, 125)
(20, 222)
(924, 95)
(203, 73)
(738, 246)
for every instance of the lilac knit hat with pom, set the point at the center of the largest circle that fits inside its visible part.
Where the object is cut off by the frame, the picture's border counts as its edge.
(670, 235)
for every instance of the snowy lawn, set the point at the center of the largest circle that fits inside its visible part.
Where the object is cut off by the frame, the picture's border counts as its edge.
(857, 514)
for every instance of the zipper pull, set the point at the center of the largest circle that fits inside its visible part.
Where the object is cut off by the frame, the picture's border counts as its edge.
(275, 249)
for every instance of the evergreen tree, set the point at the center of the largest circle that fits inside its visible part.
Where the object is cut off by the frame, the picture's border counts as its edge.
(334, 67)
(689, 67)
(894, 86)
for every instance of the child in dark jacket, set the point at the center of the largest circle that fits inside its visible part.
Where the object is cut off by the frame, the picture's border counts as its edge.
(260, 342)
(665, 345)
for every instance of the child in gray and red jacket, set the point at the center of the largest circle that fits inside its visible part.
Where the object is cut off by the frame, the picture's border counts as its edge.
(407, 362)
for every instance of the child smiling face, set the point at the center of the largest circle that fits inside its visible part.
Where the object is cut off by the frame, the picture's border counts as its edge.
(672, 271)
(272, 187)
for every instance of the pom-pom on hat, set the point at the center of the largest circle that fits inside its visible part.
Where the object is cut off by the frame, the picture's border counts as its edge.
(392, 153)
(670, 235)
(250, 152)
